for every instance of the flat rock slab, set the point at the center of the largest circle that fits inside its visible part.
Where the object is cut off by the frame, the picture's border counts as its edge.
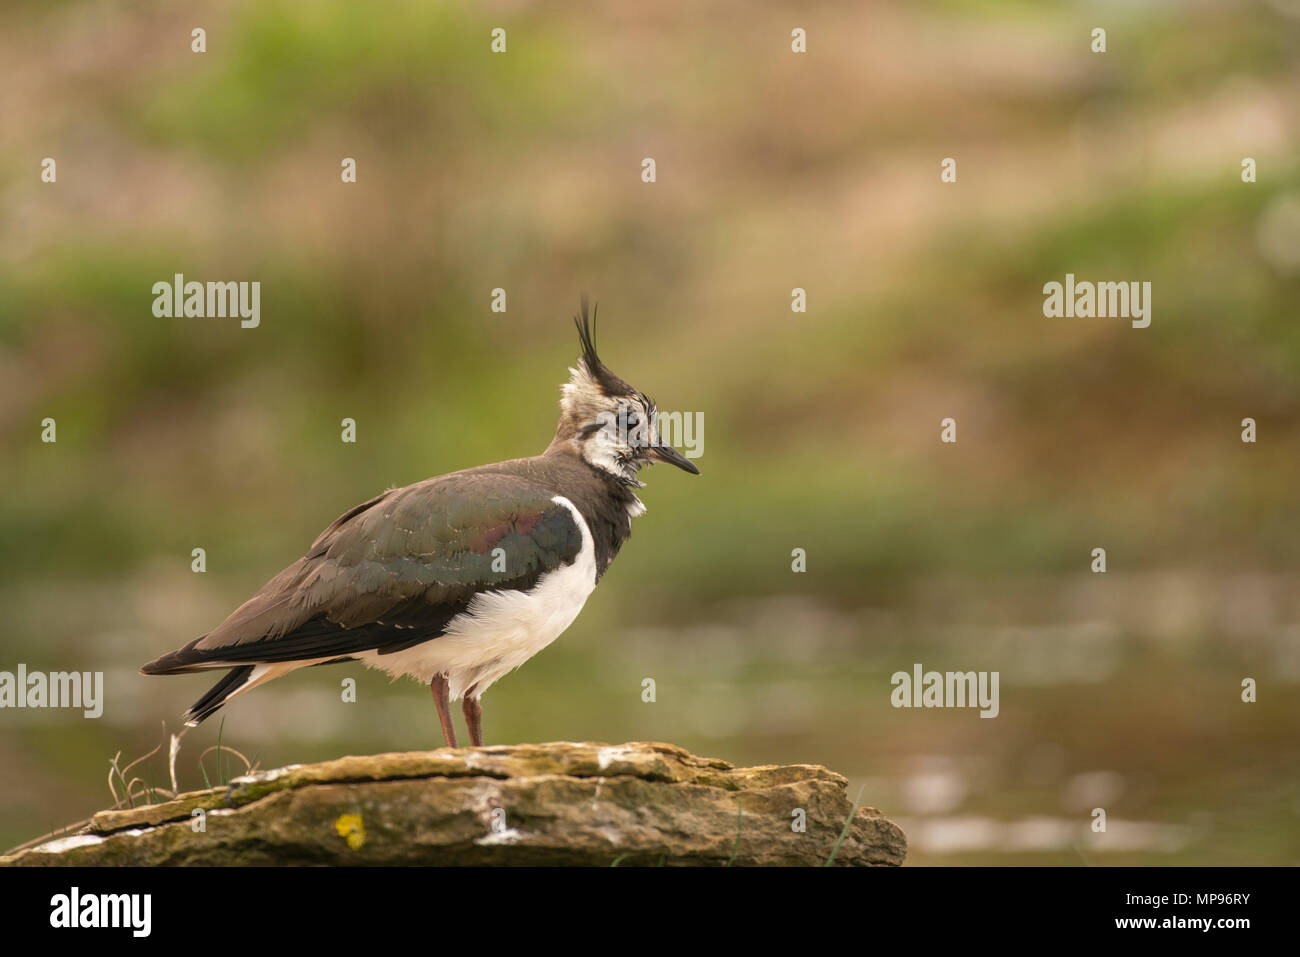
(530, 804)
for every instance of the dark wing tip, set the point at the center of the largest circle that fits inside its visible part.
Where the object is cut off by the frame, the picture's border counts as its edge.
(179, 662)
(159, 666)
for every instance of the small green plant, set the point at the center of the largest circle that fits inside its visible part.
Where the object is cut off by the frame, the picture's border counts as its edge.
(118, 775)
(857, 803)
(133, 790)
(740, 815)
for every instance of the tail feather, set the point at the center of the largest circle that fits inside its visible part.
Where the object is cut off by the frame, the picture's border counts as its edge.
(219, 694)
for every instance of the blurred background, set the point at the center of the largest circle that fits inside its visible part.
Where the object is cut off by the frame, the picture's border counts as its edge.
(774, 171)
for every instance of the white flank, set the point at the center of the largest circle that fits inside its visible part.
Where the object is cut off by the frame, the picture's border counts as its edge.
(501, 629)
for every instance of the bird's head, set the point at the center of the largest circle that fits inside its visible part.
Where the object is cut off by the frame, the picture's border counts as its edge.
(606, 421)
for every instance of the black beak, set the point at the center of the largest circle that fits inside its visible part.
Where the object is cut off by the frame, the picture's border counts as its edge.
(666, 453)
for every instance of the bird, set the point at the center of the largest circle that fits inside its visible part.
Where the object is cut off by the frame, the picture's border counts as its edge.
(459, 579)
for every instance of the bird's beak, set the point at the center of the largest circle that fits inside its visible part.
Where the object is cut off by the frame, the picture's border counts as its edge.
(666, 453)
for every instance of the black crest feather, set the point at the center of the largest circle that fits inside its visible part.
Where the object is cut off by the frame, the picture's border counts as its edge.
(610, 384)
(587, 335)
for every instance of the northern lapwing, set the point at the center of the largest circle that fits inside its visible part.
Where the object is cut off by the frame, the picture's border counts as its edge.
(459, 579)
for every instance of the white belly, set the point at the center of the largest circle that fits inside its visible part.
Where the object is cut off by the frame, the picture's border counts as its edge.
(501, 629)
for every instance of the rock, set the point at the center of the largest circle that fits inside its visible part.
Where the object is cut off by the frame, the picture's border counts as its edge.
(530, 804)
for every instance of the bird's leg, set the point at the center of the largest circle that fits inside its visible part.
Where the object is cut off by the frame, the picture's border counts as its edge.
(441, 694)
(474, 719)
